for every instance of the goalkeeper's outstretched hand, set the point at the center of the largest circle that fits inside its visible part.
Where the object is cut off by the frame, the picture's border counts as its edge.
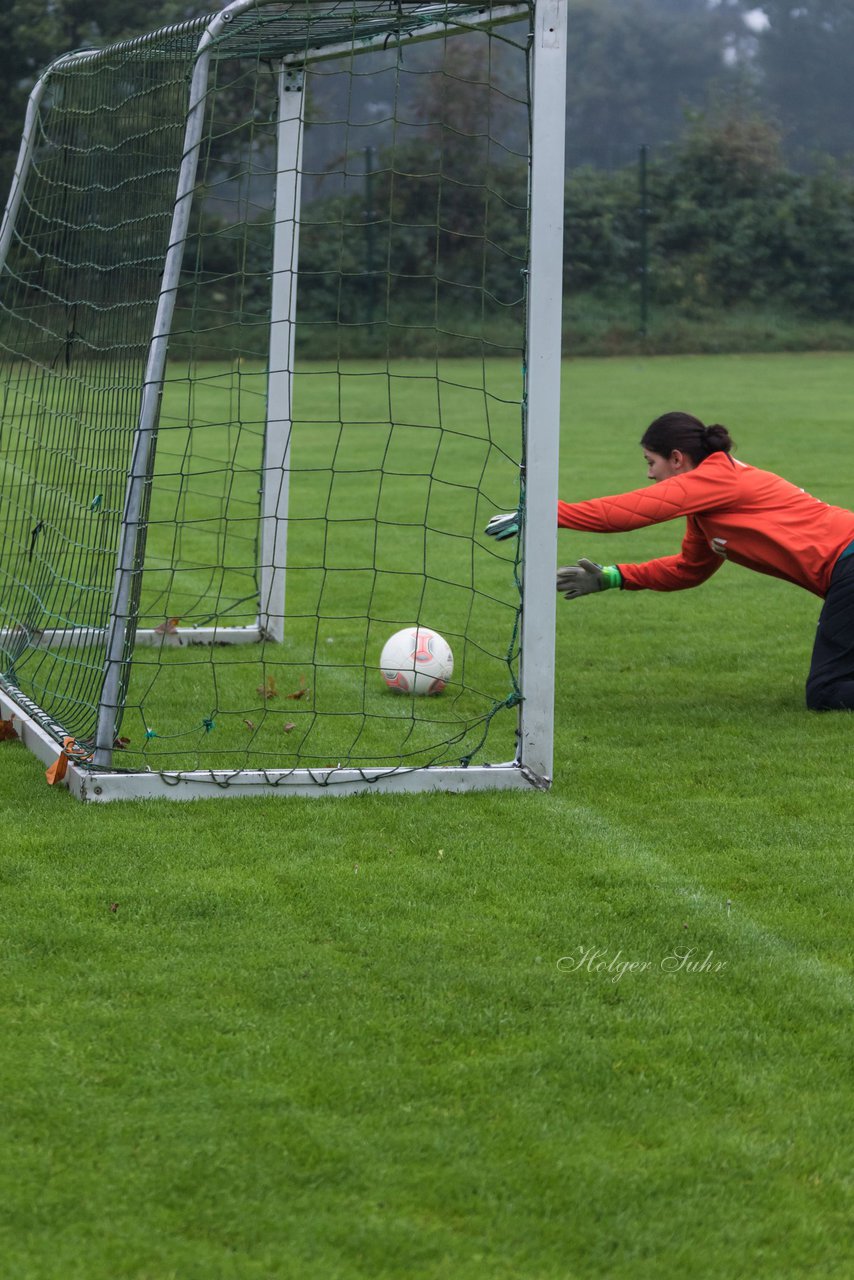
(586, 577)
(501, 527)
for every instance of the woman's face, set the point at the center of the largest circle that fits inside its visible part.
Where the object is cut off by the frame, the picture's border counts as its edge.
(661, 468)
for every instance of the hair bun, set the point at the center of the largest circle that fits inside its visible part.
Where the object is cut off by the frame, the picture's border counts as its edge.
(718, 437)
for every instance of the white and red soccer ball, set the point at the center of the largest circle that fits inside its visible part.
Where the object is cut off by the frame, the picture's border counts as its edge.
(416, 660)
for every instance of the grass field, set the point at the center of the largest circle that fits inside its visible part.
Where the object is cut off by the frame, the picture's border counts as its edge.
(603, 1032)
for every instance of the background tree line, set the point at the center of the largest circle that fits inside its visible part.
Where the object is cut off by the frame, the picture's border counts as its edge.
(727, 229)
(745, 107)
(639, 68)
(728, 222)
(636, 67)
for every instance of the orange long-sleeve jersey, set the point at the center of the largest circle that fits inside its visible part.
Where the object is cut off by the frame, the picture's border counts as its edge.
(735, 512)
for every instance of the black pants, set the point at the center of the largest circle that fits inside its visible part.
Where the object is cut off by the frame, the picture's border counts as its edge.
(830, 684)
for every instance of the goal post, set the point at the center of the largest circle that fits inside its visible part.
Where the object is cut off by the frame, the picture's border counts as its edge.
(280, 316)
(275, 488)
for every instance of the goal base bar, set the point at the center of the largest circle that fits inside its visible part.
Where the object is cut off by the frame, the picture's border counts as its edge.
(90, 785)
(62, 637)
(101, 786)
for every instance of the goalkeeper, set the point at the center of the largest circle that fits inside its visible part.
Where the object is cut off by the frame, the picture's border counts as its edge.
(734, 512)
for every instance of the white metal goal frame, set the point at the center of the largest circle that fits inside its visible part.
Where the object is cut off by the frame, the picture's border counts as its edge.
(95, 775)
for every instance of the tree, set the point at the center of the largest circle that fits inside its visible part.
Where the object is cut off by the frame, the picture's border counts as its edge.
(717, 200)
(28, 39)
(635, 66)
(804, 57)
(33, 33)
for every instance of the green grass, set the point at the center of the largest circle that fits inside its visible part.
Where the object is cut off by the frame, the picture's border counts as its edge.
(333, 1040)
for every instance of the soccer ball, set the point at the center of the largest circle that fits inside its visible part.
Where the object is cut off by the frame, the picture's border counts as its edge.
(416, 660)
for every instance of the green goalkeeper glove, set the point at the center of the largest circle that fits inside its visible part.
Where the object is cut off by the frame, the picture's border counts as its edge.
(585, 577)
(501, 527)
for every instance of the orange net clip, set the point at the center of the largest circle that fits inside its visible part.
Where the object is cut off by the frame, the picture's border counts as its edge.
(59, 768)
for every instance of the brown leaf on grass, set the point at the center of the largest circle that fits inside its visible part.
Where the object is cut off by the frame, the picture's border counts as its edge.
(268, 689)
(289, 726)
(302, 692)
(121, 744)
(114, 906)
(7, 729)
(250, 725)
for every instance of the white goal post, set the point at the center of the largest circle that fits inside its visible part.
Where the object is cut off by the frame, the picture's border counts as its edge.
(87, 590)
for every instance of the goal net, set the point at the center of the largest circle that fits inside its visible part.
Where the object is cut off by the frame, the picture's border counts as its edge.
(275, 323)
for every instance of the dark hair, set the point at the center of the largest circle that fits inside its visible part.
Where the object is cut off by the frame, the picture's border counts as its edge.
(686, 433)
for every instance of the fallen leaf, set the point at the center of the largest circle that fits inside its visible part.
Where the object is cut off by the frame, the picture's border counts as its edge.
(121, 744)
(250, 725)
(268, 689)
(7, 729)
(114, 906)
(289, 726)
(169, 631)
(302, 691)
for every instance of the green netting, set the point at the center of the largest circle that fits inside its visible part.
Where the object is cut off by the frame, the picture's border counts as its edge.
(405, 423)
(277, 30)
